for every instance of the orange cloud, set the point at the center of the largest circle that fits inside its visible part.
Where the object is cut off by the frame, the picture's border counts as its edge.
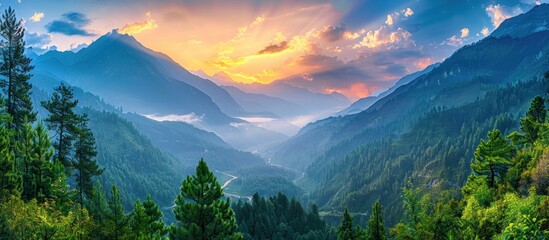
(408, 12)
(464, 32)
(499, 13)
(389, 20)
(135, 28)
(37, 16)
(485, 32)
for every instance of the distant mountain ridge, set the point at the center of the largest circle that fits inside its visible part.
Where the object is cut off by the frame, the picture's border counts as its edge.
(364, 103)
(123, 72)
(463, 77)
(285, 90)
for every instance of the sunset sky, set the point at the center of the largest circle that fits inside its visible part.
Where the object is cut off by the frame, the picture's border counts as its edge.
(353, 47)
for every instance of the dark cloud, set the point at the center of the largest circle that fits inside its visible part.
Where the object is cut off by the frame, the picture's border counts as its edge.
(370, 72)
(321, 61)
(38, 40)
(71, 24)
(393, 62)
(332, 33)
(77, 18)
(274, 48)
(331, 73)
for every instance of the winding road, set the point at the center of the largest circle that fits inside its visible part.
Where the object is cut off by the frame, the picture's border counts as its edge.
(226, 183)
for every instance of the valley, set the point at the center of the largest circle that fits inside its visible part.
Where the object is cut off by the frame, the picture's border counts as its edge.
(311, 121)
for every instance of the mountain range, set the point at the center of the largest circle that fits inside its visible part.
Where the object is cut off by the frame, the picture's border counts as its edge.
(424, 131)
(174, 117)
(364, 103)
(465, 76)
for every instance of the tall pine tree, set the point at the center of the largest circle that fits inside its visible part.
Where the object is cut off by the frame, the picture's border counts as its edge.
(116, 222)
(146, 220)
(63, 121)
(375, 229)
(200, 211)
(15, 70)
(98, 208)
(24, 154)
(42, 167)
(346, 231)
(84, 164)
(492, 157)
(10, 179)
(531, 124)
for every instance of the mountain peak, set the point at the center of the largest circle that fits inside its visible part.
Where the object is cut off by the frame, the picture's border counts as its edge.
(114, 37)
(533, 21)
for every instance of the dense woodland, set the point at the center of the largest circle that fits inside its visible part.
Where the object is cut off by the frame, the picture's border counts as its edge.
(49, 172)
(435, 153)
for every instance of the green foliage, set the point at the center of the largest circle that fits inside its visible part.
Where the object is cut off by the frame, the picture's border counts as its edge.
(434, 153)
(122, 150)
(200, 211)
(146, 221)
(24, 155)
(537, 110)
(116, 221)
(492, 157)
(10, 177)
(346, 231)
(98, 209)
(62, 120)
(15, 70)
(375, 228)
(42, 168)
(279, 218)
(531, 124)
(32, 220)
(266, 181)
(489, 209)
(84, 164)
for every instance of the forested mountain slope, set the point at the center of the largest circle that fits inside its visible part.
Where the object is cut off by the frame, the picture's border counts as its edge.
(435, 153)
(462, 78)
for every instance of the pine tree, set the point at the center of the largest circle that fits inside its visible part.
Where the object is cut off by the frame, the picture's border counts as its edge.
(98, 208)
(314, 220)
(116, 222)
(63, 121)
(59, 190)
(24, 155)
(15, 70)
(200, 211)
(10, 179)
(42, 167)
(537, 110)
(146, 220)
(375, 229)
(346, 231)
(86, 168)
(531, 124)
(492, 157)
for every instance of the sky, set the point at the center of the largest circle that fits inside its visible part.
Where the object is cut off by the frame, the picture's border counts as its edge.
(357, 48)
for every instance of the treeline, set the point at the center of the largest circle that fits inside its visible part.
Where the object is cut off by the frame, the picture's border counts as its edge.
(506, 196)
(280, 218)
